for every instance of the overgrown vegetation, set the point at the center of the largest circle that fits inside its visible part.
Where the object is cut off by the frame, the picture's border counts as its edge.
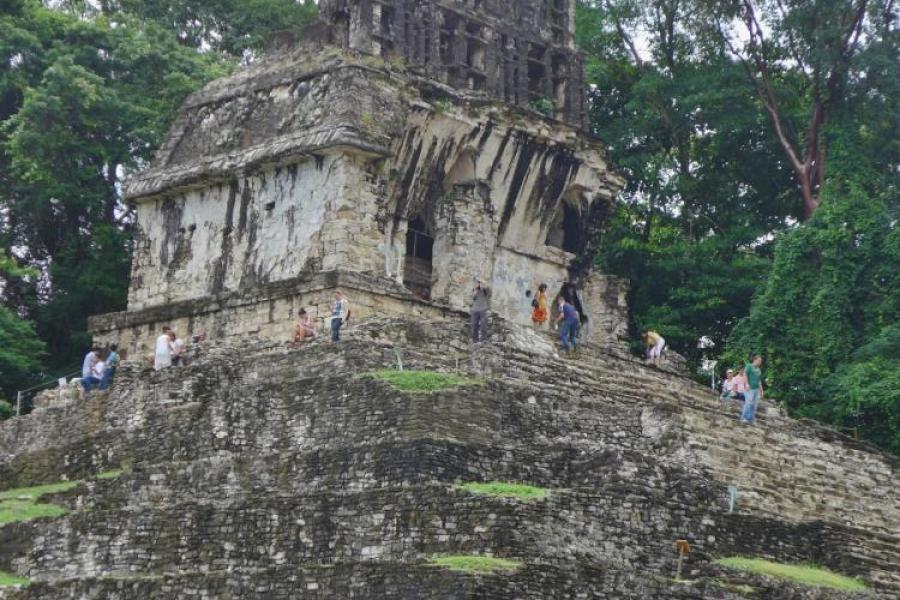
(22, 504)
(808, 575)
(7, 580)
(743, 154)
(475, 564)
(526, 493)
(730, 214)
(423, 381)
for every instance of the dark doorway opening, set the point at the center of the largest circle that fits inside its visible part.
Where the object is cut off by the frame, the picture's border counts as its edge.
(565, 231)
(419, 255)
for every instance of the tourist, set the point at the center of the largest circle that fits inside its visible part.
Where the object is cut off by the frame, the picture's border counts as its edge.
(340, 313)
(655, 345)
(754, 393)
(178, 348)
(99, 369)
(112, 363)
(568, 325)
(740, 385)
(727, 385)
(479, 311)
(540, 314)
(162, 358)
(305, 329)
(88, 379)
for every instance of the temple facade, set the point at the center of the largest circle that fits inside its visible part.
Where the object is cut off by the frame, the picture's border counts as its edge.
(401, 150)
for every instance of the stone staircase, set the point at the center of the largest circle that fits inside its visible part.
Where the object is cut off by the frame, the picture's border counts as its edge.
(262, 472)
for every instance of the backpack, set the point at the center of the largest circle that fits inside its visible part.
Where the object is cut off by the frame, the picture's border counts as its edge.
(535, 303)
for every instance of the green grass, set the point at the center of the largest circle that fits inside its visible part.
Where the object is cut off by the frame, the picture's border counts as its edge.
(113, 474)
(475, 564)
(808, 575)
(423, 381)
(16, 511)
(6, 580)
(526, 493)
(37, 491)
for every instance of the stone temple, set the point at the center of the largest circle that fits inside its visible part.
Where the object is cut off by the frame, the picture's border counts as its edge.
(405, 149)
(396, 154)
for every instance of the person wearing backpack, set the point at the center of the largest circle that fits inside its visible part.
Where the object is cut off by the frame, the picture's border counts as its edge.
(340, 314)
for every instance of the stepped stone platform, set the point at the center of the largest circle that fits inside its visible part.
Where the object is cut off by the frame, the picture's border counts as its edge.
(258, 471)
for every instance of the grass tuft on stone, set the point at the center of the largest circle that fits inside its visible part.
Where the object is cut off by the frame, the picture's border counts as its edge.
(7, 580)
(808, 575)
(475, 564)
(113, 474)
(423, 381)
(17, 511)
(21, 504)
(499, 489)
(37, 491)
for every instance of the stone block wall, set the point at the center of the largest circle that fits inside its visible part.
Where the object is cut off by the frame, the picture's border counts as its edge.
(293, 470)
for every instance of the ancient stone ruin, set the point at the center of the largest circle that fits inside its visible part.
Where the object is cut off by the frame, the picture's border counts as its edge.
(399, 161)
(400, 151)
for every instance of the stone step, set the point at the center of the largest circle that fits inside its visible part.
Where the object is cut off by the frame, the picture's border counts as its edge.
(398, 580)
(619, 528)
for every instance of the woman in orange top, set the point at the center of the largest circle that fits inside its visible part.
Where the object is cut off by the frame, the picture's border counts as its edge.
(540, 315)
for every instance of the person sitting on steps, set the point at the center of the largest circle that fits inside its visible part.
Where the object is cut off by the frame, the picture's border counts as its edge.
(88, 379)
(112, 363)
(305, 329)
(655, 345)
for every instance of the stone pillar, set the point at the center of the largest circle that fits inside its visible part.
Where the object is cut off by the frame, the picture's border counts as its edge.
(464, 244)
(351, 237)
(605, 300)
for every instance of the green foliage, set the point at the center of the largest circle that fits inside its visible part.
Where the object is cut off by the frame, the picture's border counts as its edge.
(475, 564)
(34, 493)
(525, 493)
(17, 511)
(542, 106)
(75, 117)
(7, 580)
(704, 182)
(22, 504)
(827, 319)
(423, 381)
(807, 575)
(112, 474)
(231, 26)
(21, 354)
(7, 410)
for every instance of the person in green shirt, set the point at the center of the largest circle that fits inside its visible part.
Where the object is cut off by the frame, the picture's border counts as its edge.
(755, 392)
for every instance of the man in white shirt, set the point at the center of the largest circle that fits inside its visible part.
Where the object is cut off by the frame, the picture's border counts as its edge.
(88, 378)
(162, 358)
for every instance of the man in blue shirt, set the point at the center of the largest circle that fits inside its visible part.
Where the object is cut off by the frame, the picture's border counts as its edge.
(112, 361)
(568, 325)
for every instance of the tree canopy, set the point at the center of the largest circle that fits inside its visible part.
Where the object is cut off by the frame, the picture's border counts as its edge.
(759, 139)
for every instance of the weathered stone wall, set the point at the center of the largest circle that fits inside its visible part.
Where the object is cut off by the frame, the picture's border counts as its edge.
(519, 51)
(255, 462)
(223, 212)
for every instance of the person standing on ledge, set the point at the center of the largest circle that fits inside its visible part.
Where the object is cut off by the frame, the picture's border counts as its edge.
(754, 393)
(480, 307)
(162, 357)
(340, 313)
(568, 325)
(540, 314)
